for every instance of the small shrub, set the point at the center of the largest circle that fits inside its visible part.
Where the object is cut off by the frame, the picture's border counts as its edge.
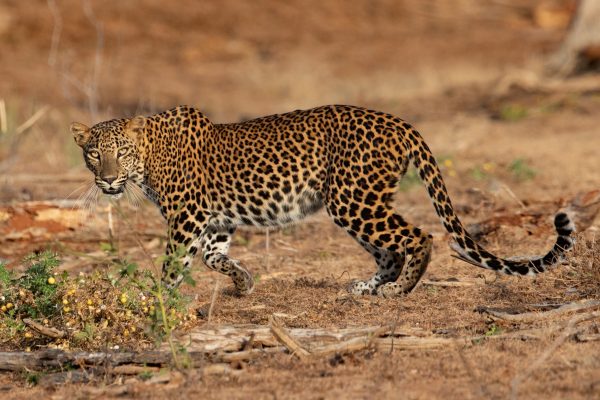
(122, 306)
(521, 170)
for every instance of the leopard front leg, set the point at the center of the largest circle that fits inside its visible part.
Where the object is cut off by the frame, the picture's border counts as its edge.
(184, 239)
(215, 246)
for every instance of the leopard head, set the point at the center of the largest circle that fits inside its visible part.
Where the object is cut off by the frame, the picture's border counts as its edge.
(111, 150)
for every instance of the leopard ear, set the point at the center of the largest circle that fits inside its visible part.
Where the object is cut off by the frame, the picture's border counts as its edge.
(135, 128)
(81, 133)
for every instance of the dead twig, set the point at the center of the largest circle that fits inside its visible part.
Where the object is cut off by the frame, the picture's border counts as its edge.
(44, 330)
(567, 332)
(453, 282)
(32, 120)
(583, 337)
(213, 300)
(3, 122)
(284, 337)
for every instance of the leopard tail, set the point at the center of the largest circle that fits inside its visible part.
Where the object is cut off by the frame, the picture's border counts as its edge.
(461, 241)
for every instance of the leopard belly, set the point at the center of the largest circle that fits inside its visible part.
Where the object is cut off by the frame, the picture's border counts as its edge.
(291, 208)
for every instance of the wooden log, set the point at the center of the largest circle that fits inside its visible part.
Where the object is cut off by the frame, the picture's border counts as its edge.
(535, 316)
(229, 344)
(235, 337)
(132, 369)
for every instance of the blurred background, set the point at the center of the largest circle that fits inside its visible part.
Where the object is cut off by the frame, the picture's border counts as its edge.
(505, 92)
(489, 83)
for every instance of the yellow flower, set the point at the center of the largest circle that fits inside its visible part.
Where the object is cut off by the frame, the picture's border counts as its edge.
(90, 302)
(66, 309)
(3, 308)
(9, 306)
(448, 163)
(125, 332)
(65, 301)
(51, 280)
(28, 335)
(488, 166)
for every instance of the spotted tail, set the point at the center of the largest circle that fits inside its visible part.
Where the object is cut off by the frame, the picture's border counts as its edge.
(462, 242)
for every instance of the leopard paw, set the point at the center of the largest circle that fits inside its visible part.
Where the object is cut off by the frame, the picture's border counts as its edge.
(244, 282)
(390, 289)
(361, 288)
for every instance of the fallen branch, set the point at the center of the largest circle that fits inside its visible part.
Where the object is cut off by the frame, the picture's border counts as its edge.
(230, 344)
(229, 338)
(590, 337)
(129, 369)
(44, 330)
(536, 316)
(453, 282)
(288, 341)
(566, 333)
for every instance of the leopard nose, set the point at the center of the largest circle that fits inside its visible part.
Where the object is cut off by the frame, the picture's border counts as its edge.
(109, 179)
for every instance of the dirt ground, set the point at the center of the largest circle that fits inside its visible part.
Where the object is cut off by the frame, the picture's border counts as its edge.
(514, 147)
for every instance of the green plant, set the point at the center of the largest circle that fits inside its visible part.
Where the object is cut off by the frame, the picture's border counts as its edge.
(5, 277)
(493, 330)
(521, 170)
(478, 174)
(40, 281)
(145, 375)
(33, 378)
(513, 112)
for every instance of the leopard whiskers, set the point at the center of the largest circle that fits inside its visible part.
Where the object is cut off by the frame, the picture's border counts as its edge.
(151, 193)
(134, 194)
(87, 201)
(90, 200)
(79, 188)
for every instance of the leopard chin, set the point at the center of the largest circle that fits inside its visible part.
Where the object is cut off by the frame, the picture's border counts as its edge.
(115, 196)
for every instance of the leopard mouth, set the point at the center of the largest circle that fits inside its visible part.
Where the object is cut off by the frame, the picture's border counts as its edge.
(113, 193)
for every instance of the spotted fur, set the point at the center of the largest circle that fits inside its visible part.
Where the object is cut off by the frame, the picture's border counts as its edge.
(207, 179)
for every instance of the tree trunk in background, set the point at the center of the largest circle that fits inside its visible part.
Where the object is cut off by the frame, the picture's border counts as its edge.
(581, 48)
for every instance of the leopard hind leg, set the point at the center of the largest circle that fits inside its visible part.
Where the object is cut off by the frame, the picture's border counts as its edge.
(401, 250)
(389, 268)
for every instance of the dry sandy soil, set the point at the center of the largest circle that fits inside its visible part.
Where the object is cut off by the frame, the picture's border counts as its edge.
(514, 154)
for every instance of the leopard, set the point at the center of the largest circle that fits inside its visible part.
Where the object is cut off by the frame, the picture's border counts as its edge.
(208, 179)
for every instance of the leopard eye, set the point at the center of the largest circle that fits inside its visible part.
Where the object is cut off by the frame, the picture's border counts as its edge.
(121, 152)
(94, 154)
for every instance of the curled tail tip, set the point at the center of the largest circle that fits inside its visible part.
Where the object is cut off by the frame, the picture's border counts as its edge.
(565, 227)
(564, 223)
